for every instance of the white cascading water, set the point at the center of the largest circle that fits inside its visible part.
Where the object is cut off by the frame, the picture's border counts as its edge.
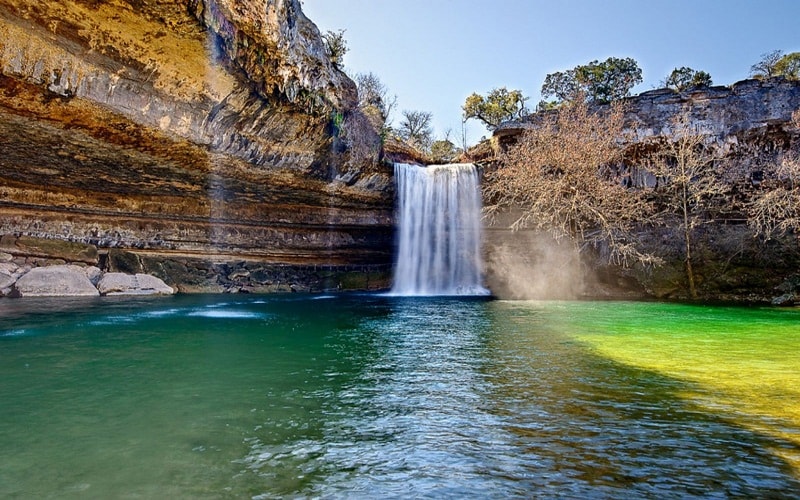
(439, 230)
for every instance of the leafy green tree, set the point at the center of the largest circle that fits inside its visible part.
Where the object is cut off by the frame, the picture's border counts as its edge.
(789, 66)
(609, 80)
(776, 63)
(498, 106)
(595, 82)
(336, 46)
(415, 129)
(547, 105)
(563, 85)
(684, 78)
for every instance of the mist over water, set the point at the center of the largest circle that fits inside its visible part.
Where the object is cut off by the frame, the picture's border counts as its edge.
(528, 264)
(439, 231)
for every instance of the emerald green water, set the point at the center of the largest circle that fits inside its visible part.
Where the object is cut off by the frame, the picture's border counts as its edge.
(364, 396)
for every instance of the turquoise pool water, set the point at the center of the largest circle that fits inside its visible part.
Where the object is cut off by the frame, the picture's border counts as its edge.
(365, 396)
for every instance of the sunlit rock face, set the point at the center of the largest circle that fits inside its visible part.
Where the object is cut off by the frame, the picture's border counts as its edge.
(196, 138)
(749, 118)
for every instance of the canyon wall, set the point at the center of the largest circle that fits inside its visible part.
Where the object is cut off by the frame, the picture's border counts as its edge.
(750, 125)
(199, 141)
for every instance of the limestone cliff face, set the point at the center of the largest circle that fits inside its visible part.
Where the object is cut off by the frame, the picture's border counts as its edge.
(751, 124)
(746, 116)
(193, 138)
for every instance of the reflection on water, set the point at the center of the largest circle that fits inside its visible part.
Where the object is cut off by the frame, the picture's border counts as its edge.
(369, 396)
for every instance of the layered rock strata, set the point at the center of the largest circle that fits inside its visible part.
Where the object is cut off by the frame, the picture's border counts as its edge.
(196, 139)
(747, 113)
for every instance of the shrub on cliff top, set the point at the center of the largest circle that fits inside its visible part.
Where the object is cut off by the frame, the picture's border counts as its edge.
(684, 78)
(336, 46)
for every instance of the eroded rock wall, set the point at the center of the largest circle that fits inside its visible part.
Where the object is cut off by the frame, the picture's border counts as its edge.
(747, 116)
(191, 134)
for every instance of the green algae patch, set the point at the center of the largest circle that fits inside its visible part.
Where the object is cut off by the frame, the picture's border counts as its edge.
(742, 363)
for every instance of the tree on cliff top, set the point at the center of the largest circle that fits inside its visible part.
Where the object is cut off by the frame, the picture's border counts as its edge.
(374, 101)
(498, 106)
(789, 66)
(561, 177)
(684, 78)
(443, 151)
(596, 82)
(415, 129)
(775, 63)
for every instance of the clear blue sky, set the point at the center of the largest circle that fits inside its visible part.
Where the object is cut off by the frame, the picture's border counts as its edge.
(433, 53)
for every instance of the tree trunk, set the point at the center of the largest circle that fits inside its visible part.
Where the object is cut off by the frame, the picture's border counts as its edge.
(687, 237)
(690, 274)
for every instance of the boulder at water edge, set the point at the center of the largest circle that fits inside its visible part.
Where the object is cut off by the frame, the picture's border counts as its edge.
(6, 280)
(55, 281)
(127, 284)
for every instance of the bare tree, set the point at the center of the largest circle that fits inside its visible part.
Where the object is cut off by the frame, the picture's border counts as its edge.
(775, 209)
(766, 67)
(689, 183)
(415, 128)
(561, 178)
(464, 133)
(374, 100)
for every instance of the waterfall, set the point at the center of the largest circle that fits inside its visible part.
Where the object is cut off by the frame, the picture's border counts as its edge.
(439, 230)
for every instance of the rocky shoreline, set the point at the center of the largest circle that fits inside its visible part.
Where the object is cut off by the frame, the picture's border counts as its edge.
(75, 281)
(31, 266)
